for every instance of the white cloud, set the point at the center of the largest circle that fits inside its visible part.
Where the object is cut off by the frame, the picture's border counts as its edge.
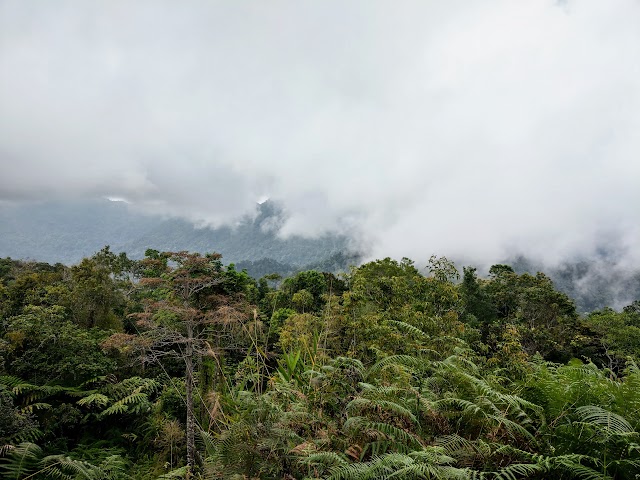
(460, 128)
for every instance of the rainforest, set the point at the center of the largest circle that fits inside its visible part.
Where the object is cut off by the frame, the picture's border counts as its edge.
(179, 366)
(330, 240)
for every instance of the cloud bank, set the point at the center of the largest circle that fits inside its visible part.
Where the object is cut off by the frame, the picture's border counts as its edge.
(471, 129)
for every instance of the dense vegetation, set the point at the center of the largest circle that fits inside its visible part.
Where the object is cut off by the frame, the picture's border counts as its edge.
(177, 366)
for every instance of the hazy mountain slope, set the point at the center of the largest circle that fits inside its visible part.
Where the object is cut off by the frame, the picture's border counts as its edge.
(67, 232)
(338, 262)
(594, 283)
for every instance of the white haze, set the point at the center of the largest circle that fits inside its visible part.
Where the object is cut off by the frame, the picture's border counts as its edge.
(466, 128)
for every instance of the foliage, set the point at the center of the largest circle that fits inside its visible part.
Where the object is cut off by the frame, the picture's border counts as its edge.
(176, 366)
(27, 460)
(43, 346)
(612, 336)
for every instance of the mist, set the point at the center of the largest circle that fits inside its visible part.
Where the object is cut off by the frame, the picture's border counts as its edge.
(476, 130)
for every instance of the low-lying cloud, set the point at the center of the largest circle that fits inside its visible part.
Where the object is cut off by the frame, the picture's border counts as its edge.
(475, 130)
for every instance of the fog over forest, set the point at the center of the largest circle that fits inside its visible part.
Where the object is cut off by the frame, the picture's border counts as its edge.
(478, 131)
(320, 240)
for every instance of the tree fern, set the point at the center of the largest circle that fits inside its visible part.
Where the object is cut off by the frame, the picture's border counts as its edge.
(26, 461)
(571, 465)
(426, 463)
(135, 402)
(96, 399)
(20, 460)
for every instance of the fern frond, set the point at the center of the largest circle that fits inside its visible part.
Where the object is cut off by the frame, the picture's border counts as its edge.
(130, 403)
(97, 399)
(114, 467)
(569, 463)
(426, 463)
(406, 327)
(27, 435)
(407, 361)
(364, 425)
(516, 471)
(595, 415)
(35, 406)
(9, 381)
(177, 473)
(359, 404)
(326, 459)
(20, 460)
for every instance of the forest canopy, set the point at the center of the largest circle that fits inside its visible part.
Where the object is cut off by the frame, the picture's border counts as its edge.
(179, 366)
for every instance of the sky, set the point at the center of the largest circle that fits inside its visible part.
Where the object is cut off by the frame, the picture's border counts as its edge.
(472, 129)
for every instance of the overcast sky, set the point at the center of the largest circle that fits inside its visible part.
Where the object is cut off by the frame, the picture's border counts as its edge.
(468, 128)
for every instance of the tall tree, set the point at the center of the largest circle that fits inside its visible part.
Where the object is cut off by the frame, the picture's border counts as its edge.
(181, 288)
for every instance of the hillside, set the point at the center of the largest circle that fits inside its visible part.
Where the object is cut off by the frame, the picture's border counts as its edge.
(68, 232)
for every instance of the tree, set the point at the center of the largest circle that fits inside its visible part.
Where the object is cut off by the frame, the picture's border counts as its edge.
(302, 300)
(310, 285)
(611, 337)
(94, 296)
(546, 319)
(45, 347)
(178, 308)
(477, 307)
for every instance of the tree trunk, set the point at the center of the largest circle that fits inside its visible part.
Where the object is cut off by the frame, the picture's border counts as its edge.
(191, 427)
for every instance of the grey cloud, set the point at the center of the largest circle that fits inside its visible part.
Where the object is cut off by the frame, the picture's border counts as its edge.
(464, 129)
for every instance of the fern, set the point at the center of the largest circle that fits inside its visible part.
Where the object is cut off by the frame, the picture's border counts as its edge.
(20, 460)
(35, 406)
(572, 464)
(326, 459)
(609, 421)
(114, 467)
(360, 404)
(466, 452)
(94, 399)
(133, 403)
(10, 381)
(27, 461)
(27, 435)
(426, 463)
(407, 361)
(374, 429)
(406, 327)
(176, 473)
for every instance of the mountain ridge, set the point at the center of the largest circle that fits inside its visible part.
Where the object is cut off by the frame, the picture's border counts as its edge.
(66, 232)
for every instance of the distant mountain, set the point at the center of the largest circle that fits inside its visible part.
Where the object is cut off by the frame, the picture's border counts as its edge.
(337, 262)
(594, 283)
(67, 232)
